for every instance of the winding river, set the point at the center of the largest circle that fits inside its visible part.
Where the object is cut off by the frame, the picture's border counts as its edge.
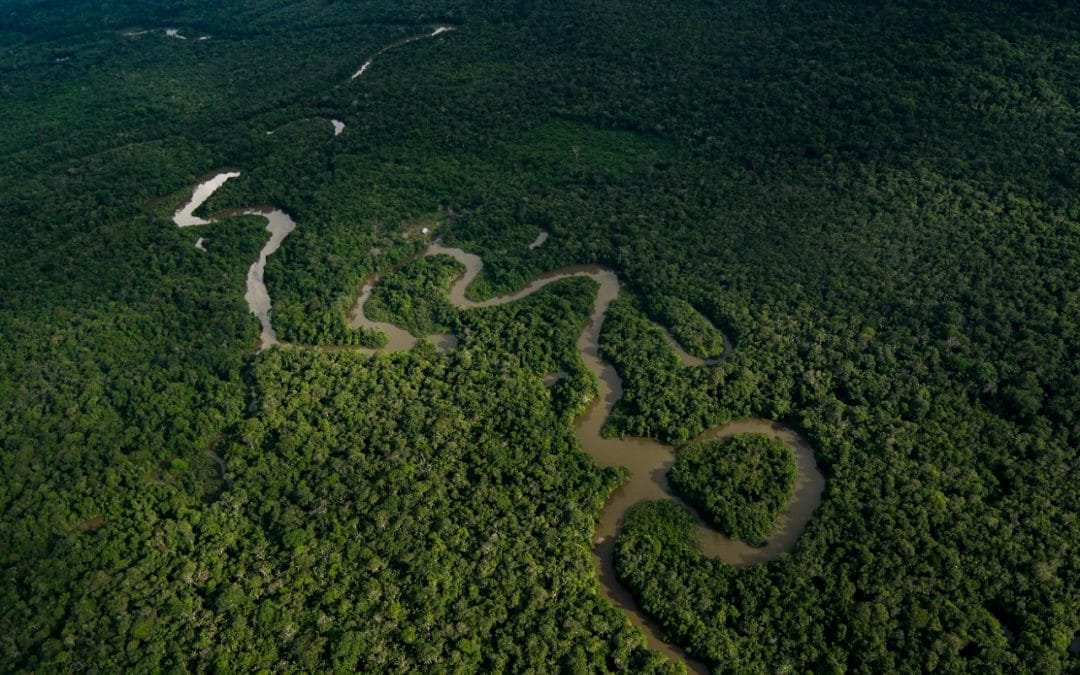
(278, 223)
(647, 460)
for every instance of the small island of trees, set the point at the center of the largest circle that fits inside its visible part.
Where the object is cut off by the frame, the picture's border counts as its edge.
(739, 484)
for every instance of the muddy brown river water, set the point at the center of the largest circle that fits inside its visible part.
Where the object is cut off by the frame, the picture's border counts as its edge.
(278, 223)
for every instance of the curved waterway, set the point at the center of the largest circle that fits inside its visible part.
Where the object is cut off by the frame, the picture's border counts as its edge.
(278, 224)
(689, 359)
(648, 461)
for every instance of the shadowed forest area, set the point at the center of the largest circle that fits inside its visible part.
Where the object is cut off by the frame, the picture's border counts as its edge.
(875, 202)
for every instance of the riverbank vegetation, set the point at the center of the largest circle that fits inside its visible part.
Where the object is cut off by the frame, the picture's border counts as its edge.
(874, 201)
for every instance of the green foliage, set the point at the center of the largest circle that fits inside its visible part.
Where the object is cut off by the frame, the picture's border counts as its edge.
(740, 483)
(663, 399)
(874, 201)
(689, 327)
(414, 297)
(665, 526)
(430, 524)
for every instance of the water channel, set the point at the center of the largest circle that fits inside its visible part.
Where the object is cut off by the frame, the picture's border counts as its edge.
(438, 30)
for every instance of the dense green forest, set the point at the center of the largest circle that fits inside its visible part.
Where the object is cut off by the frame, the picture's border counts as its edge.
(740, 484)
(415, 296)
(875, 202)
(693, 332)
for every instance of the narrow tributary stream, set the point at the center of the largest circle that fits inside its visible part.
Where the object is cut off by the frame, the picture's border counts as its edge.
(438, 30)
